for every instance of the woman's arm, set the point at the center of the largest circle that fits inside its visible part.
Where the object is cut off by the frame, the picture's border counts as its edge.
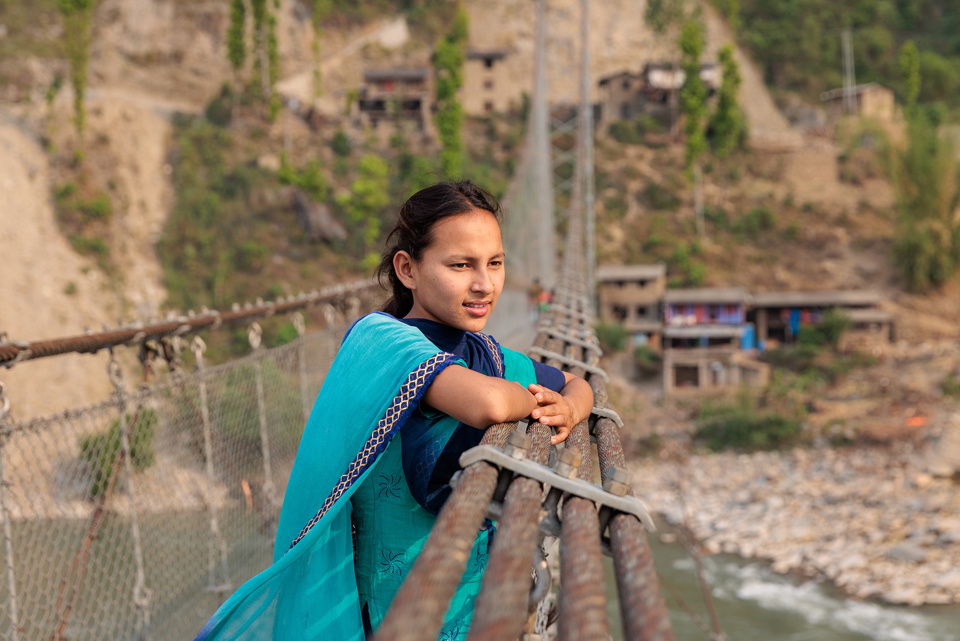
(565, 409)
(478, 400)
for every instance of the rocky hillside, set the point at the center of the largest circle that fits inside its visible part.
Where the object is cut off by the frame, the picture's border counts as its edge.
(153, 59)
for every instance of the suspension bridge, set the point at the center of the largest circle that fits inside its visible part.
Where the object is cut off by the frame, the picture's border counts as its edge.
(136, 517)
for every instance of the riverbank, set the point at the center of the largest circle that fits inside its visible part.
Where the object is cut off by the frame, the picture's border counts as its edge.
(879, 523)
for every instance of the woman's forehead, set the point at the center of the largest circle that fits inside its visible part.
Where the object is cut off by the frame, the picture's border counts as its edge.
(476, 228)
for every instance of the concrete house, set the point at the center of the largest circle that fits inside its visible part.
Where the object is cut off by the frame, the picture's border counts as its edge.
(632, 295)
(489, 83)
(778, 316)
(707, 341)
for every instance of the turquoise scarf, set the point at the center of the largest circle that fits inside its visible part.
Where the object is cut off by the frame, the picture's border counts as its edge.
(310, 592)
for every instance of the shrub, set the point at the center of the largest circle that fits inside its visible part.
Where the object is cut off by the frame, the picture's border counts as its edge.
(612, 336)
(220, 110)
(287, 333)
(951, 385)
(100, 451)
(86, 246)
(657, 197)
(340, 144)
(757, 220)
(648, 361)
(739, 425)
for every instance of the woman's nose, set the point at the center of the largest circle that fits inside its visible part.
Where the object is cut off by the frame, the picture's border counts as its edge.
(483, 282)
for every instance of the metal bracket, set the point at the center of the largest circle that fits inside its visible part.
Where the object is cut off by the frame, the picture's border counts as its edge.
(550, 525)
(602, 412)
(566, 360)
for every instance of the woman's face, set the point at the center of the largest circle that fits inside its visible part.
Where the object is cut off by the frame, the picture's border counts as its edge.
(459, 277)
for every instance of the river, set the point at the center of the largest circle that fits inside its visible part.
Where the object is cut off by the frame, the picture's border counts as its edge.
(755, 604)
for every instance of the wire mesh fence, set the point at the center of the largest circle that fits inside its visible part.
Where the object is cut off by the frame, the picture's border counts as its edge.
(136, 517)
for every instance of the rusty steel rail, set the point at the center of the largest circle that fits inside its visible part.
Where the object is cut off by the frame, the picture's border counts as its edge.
(642, 606)
(502, 606)
(419, 606)
(17, 351)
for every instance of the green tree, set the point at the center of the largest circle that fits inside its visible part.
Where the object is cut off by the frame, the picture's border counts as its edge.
(727, 121)
(926, 179)
(364, 206)
(448, 59)
(266, 63)
(77, 16)
(236, 35)
(693, 95)
(320, 9)
(910, 70)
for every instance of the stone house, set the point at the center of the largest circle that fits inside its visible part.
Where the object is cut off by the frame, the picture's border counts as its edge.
(871, 100)
(490, 84)
(632, 295)
(620, 96)
(394, 94)
(655, 90)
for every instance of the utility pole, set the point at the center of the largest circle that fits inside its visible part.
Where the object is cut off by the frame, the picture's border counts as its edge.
(849, 78)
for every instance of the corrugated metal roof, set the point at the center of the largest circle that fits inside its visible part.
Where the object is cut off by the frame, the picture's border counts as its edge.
(480, 54)
(374, 75)
(826, 298)
(708, 295)
(631, 272)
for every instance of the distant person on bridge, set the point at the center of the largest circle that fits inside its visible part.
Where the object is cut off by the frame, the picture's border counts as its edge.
(412, 387)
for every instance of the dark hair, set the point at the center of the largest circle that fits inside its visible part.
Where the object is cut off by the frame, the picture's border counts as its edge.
(413, 232)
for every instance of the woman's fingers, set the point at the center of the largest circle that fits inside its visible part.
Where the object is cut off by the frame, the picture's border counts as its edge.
(547, 397)
(545, 412)
(561, 435)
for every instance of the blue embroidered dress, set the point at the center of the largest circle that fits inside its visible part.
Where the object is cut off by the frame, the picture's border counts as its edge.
(369, 440)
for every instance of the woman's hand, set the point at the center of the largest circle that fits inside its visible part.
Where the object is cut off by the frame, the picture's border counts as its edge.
(565, 409)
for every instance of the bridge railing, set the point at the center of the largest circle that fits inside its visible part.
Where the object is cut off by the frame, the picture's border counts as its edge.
(137, 516)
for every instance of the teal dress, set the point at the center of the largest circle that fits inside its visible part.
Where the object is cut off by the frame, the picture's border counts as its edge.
(350, 469)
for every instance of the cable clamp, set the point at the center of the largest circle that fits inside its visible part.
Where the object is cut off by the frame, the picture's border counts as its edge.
(555, 333)
(566, 360)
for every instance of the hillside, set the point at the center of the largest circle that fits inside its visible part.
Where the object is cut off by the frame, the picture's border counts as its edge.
(157, 65)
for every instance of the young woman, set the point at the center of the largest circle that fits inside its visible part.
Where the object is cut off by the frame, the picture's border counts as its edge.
(412, 387)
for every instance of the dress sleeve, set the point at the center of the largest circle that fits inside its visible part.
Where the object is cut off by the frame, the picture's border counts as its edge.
(524, 370)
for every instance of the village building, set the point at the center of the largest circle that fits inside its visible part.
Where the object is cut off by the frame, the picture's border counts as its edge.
(870, 100)
(620, 96)
(778, 316)
(490, 84)
(394, 94)
(632, 295)
(707, 342)
(654, 91)
(662, 81)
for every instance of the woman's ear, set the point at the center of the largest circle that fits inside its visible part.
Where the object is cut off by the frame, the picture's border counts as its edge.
(404, 267)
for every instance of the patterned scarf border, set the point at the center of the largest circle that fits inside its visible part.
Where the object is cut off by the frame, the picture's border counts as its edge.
(494, 351)
(401, 407)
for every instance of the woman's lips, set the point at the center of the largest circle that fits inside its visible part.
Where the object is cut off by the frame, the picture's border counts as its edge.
(477, 309)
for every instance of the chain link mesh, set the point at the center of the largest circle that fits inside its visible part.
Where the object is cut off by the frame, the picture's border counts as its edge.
(71, 563)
